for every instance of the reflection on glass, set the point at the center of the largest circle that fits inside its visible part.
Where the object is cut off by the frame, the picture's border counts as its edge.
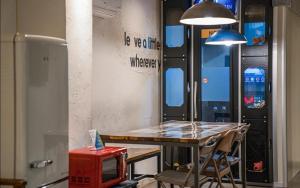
(255, 13)
(215, 83)
(174, 36)
(174, 87)
(254, 88)
(255, 33)
(109, 169)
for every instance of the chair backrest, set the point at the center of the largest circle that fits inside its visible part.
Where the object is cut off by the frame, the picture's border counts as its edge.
(240, 136)
(227, 141)
(208, 148)
(209, 145)
(206, 152)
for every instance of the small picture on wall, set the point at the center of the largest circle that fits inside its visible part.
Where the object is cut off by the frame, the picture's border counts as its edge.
(255, 33)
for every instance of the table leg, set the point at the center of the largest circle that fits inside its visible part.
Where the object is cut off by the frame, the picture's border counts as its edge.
(196, 164)
(132, 171)
(164, 154)
(243, 161)
(129, 171)
(158, 167)
(172, 161)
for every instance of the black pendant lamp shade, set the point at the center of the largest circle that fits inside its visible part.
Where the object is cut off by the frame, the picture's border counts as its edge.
(207, 13)
(226, 37)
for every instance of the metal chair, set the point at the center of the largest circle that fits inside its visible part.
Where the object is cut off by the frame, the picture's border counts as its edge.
(184, 176)
(16, 183)
(218, 166)
(239, 138)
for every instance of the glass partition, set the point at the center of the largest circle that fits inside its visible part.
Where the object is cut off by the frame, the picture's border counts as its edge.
(174, 87)
(215, 83)
(174, 36)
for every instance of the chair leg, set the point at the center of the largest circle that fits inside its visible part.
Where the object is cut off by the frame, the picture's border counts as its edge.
(231, 176)
(218, 174)
(211, 183)
(162, 184)
(232, 180)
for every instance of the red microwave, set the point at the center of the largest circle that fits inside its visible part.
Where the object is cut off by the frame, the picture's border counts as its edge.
(97, 169)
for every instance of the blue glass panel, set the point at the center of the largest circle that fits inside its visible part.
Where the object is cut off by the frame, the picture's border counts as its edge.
(230, 4)
(255, 33)
(174, 36)
(254, 88)
(215, 83)
(174, 87)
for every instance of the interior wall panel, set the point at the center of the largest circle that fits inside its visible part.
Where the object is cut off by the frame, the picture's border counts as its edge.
(293, 92)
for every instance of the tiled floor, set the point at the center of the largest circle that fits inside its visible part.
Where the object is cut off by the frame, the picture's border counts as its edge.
(295, 183)
(154, 185)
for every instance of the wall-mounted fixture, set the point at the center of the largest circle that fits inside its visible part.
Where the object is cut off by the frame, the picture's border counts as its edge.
(208, 13)
(226, 37)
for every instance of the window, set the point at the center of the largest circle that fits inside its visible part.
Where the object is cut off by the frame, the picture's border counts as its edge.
(174, 87)
(174, 36)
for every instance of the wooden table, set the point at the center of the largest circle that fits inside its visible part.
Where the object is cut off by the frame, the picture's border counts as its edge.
(174, 133)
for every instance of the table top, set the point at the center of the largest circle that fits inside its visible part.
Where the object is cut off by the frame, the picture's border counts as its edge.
(172, 131)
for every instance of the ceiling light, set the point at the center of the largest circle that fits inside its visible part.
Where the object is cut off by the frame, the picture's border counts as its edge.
(207, 13)
(226, 37)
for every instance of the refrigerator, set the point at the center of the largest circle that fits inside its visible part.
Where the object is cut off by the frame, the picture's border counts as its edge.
(41, 110)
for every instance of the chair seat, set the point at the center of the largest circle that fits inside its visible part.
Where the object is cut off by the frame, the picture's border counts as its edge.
(231, 159)
(178, 178)
(210, 171)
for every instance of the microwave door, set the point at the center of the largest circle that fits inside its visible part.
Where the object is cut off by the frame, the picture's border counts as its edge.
(110, 169)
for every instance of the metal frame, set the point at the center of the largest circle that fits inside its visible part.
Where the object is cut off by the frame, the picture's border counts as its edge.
(175, 57)
(234, 94)
(262, 51)
(194, 146)
(179, 112)
(138, 177)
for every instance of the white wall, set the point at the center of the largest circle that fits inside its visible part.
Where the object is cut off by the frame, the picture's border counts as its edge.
(8, 29)
(42, 17)
(79, 38)
(279, 98)
(123, 97)
(293, 93)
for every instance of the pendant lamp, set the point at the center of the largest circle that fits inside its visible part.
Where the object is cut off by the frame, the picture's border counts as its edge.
(207, 13)
(226, 37)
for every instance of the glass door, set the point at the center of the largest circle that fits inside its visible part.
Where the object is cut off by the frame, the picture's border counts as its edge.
(215, 74)
(216, 82)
